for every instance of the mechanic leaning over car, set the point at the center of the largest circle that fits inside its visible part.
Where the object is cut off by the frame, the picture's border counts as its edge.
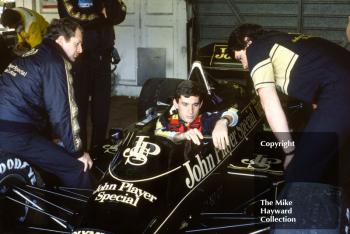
(185, 123)
(36, 91)
(310, 69)
(29, 25)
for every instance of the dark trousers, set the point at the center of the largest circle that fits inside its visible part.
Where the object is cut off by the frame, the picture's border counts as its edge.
(44, 154)
(321, 152)
(321, 160)
(92, 78)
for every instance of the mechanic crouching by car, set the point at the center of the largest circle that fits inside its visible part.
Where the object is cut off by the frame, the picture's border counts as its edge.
(36, 92)
(185, 123)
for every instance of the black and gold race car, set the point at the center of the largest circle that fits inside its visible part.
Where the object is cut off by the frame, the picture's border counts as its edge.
(148, 184)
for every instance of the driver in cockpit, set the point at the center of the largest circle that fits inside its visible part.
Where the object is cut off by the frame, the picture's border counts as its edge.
(185, 123)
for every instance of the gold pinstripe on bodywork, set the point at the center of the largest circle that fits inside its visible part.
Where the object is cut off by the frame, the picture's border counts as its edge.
(73, 108)
(77, 15)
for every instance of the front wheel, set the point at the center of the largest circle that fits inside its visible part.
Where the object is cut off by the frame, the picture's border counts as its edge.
(14, 172)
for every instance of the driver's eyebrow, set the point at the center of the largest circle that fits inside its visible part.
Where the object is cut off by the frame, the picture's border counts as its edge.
(184, 103)
(187, 103)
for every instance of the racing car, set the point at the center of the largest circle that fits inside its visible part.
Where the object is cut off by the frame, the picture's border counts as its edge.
(148, 184)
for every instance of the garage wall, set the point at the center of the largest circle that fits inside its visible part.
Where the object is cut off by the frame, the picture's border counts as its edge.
(328, 19)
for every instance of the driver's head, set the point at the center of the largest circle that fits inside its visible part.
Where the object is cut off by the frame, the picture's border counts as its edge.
(67, 34)
(11, 18)
(188, 100)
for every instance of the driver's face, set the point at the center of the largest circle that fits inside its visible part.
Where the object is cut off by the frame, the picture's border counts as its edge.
(188, 108)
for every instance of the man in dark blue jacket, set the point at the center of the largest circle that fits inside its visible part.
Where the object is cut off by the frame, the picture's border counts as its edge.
(92, 71)
(36, 92)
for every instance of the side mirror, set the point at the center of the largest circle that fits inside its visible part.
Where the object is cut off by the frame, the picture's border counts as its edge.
(115, 134)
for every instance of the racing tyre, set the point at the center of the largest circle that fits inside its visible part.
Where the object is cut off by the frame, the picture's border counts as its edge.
(13, 172)
(153, 91)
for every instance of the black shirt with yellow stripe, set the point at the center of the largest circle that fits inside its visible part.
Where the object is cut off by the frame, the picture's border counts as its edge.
(298, 65)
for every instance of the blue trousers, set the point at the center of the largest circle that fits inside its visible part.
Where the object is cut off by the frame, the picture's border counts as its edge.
(44, 154)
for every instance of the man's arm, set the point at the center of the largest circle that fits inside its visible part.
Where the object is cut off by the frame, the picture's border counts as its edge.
(162, 131)
(231, 116)
(193, 135)
(60, 104)
(228, 118)
(276, 118)
(62, 110)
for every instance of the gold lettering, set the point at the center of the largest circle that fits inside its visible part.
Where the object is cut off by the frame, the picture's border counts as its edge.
(300, 37)
(222, 53)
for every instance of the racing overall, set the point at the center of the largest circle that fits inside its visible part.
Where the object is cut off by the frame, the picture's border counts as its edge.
(33, 29)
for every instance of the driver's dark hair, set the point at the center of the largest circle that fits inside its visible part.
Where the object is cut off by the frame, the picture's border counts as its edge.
(236, 40)
(10, 18)
(62, 27)
(188, 88)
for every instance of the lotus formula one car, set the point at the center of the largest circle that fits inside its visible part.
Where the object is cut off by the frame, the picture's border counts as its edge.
(148, 184)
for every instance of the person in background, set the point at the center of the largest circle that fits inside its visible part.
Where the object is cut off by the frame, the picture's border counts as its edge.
(36, 92)
(29, 25)
(92, 72)
(188, 124)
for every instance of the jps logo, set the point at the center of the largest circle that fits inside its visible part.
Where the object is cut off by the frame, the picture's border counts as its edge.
(221, 52)
(111, 149)
(260, 162)
(137, 155)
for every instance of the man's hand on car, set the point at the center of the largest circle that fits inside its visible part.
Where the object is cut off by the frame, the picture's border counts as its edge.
(192, 135)
(220, 134)
(86, 160)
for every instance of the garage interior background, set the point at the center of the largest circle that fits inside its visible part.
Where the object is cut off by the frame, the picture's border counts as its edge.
(159, 38)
